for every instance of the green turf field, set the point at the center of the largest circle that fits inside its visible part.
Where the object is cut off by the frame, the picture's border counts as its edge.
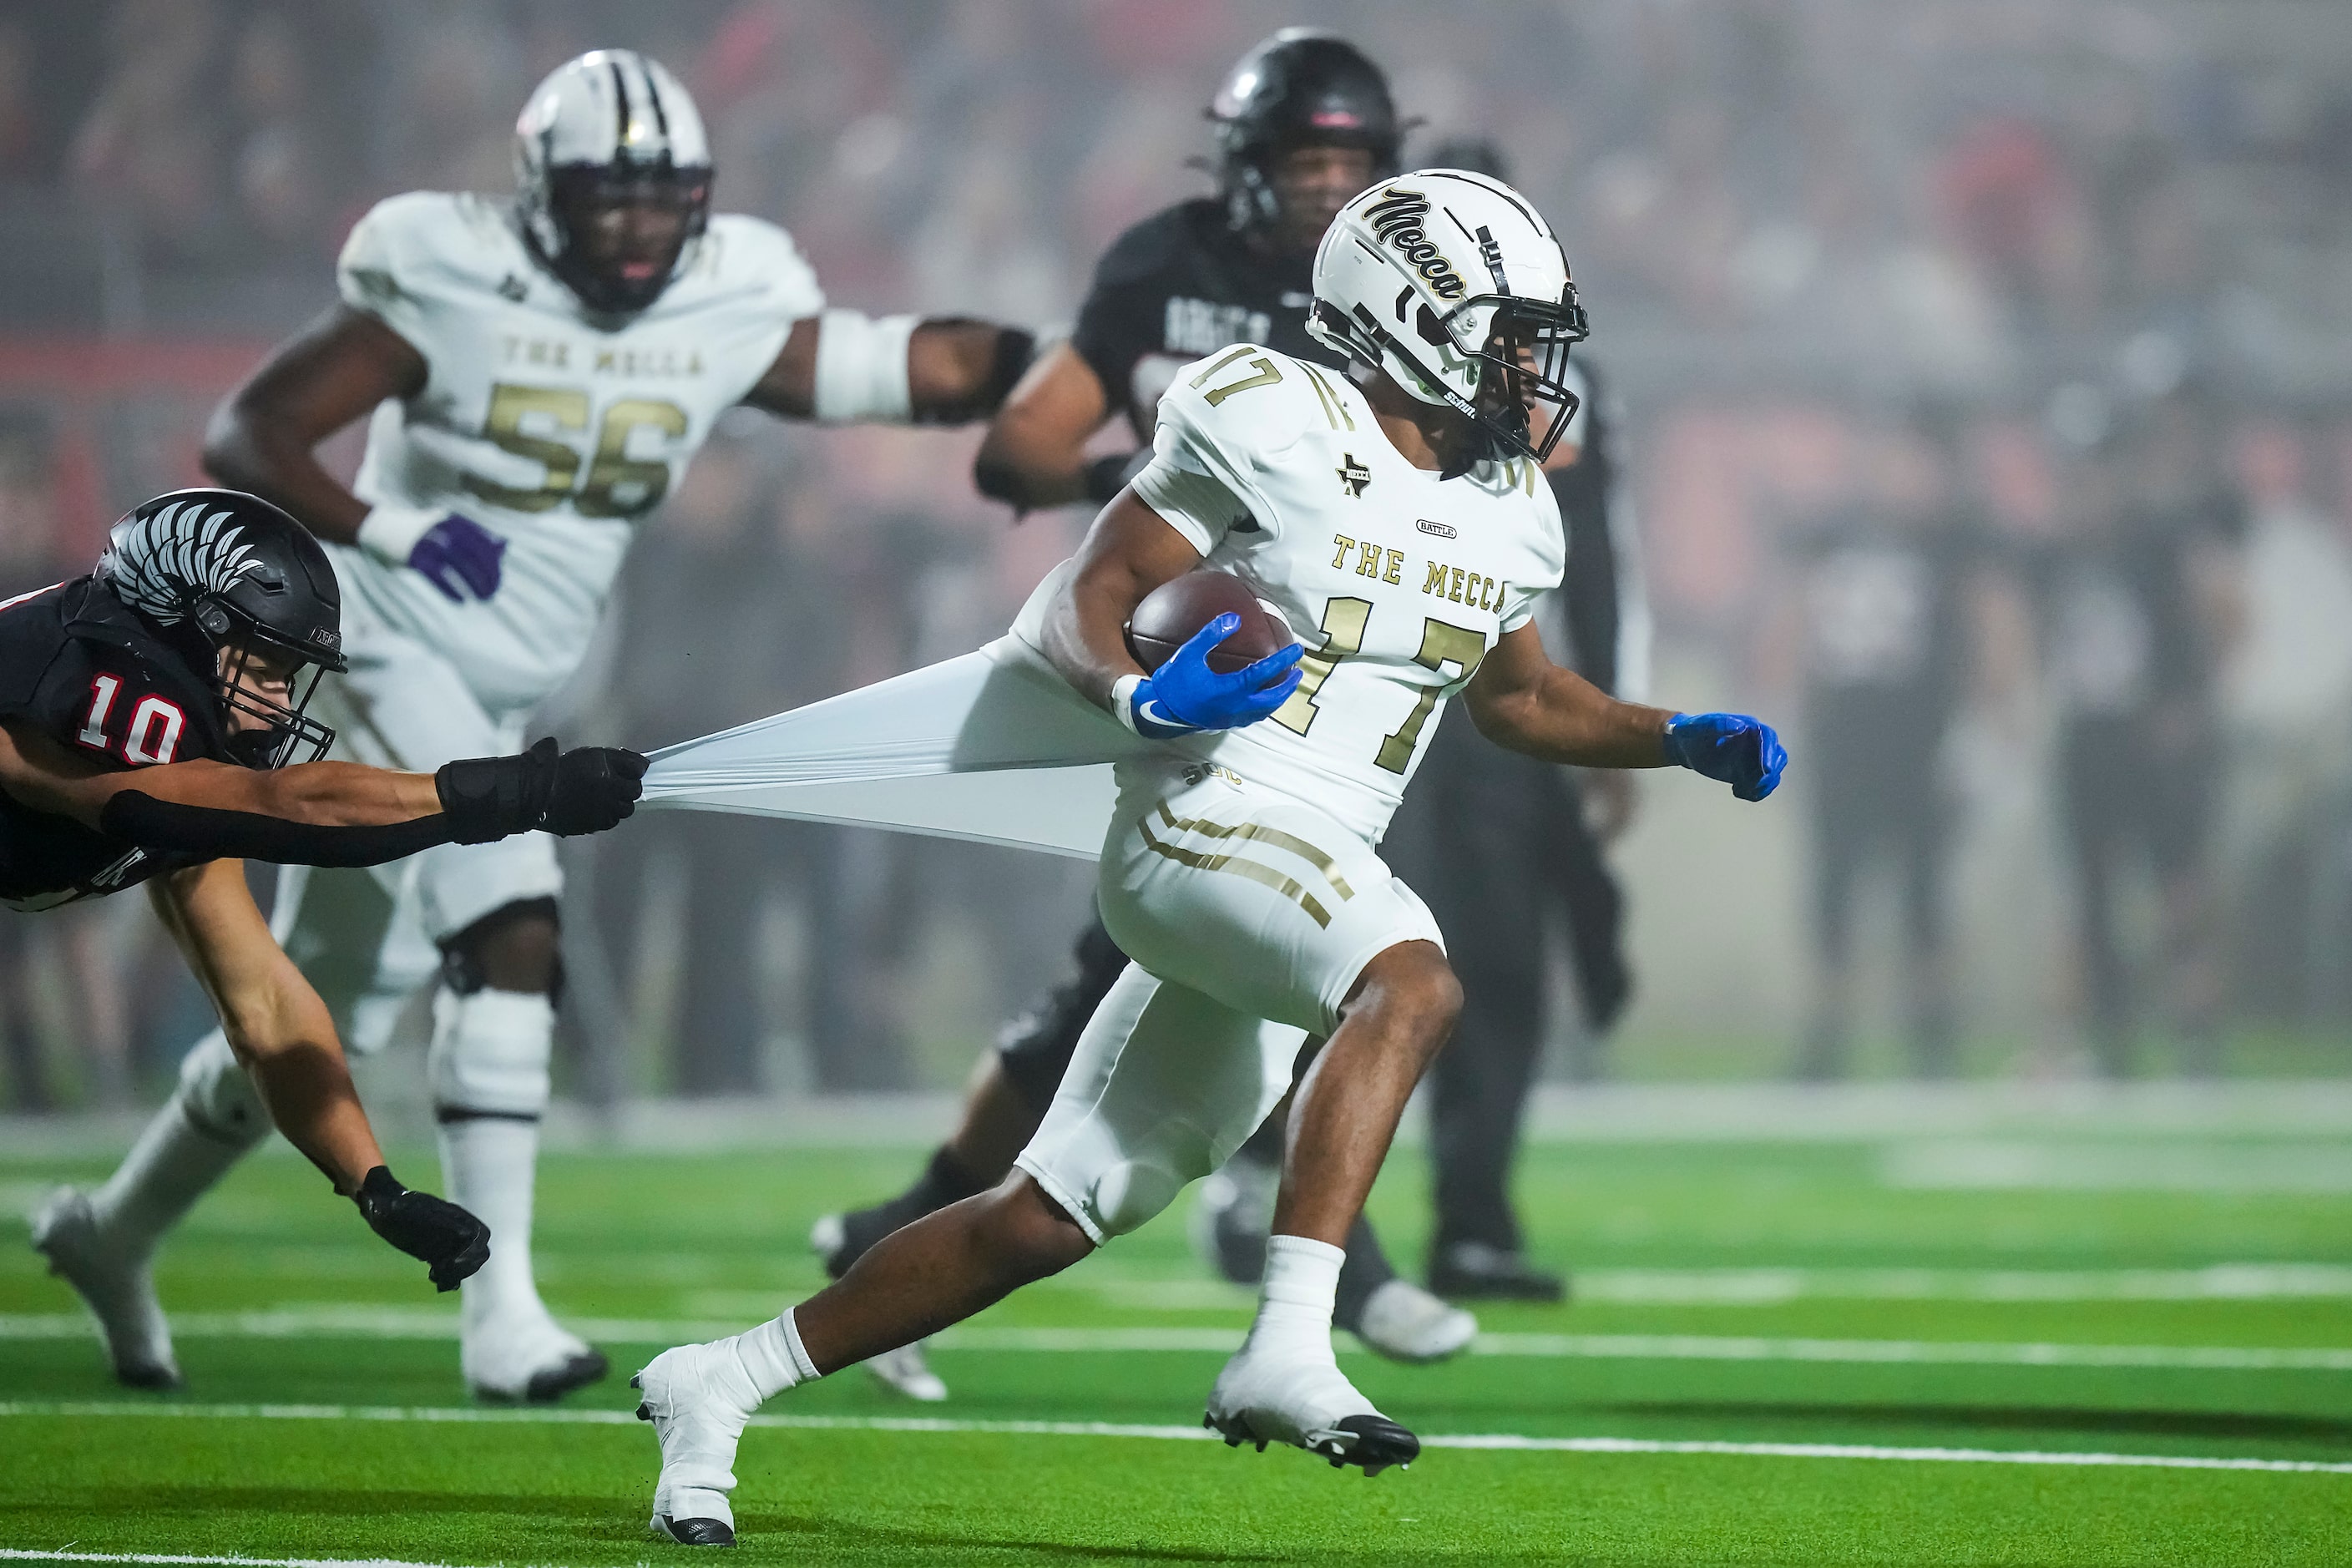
(1807, 1353)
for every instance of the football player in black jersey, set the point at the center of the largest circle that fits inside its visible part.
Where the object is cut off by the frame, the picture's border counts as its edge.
(153, 728)
(1303, 122)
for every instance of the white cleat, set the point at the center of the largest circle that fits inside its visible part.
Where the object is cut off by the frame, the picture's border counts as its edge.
(1263, 1397)
(699, 1426)
(530, 1360)
(907, 1373)
(118, 1291)
(1404, 1322)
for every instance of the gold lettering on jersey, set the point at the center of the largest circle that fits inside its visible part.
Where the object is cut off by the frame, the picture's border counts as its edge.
(1369, 566)
(519, 420)
(1441, 645)
(1395, 569)
(1456, 586)
(1343, 634)
(648, 364)
(620, 484)
(1339, 556)
(542, 354)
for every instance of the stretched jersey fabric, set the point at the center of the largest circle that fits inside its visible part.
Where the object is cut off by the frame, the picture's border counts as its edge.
(1179, 284)
(1398, 581)
(80, 666)
(994, 747)
(552, 428)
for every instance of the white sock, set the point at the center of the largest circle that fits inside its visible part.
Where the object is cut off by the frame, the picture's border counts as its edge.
(488, 1163)
(174, 1164)
(1294, 1300)
(772, 1359)
(490, 1055)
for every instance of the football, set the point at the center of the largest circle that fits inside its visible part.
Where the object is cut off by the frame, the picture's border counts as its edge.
(1173, 611)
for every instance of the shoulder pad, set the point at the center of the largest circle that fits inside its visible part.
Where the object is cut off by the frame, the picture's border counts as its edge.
(32, 636)
(1238, 410)
(411, 242)
(742, 251)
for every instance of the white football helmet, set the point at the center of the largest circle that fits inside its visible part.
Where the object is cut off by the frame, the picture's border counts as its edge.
(1452, 284)
(609, 126)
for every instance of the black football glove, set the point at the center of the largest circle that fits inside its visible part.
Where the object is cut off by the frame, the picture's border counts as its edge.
(434, 1231)
(587, 790)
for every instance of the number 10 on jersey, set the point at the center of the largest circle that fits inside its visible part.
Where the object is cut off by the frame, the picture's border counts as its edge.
(1344, 621)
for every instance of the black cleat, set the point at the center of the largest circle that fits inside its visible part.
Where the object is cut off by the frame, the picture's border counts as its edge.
(1374, 1442)
(149, 1376)
(1474, 1272)
(695, 1531)
(550, 1383)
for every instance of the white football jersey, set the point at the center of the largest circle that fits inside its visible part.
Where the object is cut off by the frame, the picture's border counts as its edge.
(558, 430)
(1398, 582)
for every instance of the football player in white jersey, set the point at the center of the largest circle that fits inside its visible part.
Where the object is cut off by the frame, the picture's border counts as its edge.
(538, 372)
(1398, 509)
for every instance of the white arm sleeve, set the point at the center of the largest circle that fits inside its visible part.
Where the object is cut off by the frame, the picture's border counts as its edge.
(861, 369)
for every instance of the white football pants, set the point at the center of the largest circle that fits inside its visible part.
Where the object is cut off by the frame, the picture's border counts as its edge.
(1249, 915)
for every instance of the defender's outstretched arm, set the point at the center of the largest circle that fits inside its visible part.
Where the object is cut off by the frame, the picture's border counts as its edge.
(275, 1022)
(283, 1036)
(323, 814)
(843, 367)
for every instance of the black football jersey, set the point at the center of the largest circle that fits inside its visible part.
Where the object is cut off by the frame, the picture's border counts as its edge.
(1180, 285)
(83, 669)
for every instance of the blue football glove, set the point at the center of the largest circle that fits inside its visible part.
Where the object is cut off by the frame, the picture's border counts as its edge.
(460, 557)
(1185, 696)
(1741, 751)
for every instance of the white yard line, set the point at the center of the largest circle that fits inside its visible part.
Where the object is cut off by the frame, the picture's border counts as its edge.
(11, 1554)
(1504, 1441)
(1772, 1287)
(421, 1323)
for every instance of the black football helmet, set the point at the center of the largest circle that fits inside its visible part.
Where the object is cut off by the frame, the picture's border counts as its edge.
(220, 571)
(1302, 87)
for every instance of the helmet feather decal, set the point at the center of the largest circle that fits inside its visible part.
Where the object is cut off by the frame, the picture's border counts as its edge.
(161, 564)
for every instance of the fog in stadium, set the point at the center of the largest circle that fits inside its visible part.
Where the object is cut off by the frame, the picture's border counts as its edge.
(1962, 398)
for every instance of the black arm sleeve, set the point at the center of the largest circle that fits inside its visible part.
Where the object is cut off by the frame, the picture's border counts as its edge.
(137, 818)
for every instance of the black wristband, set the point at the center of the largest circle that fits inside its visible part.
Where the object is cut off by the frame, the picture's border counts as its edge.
(1015, 347)
(136, 817)
(378, 1186)
(488, 799)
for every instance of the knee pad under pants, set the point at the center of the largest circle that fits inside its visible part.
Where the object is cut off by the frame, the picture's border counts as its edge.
(1166, 1084)
(218, 1095)
(490, 1054)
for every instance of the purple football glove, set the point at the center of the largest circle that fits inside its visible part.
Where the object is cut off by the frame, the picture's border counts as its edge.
(1739, 751)
(460, 557)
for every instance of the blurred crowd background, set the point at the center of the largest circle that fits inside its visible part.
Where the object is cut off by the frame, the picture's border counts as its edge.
(1987, 380)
